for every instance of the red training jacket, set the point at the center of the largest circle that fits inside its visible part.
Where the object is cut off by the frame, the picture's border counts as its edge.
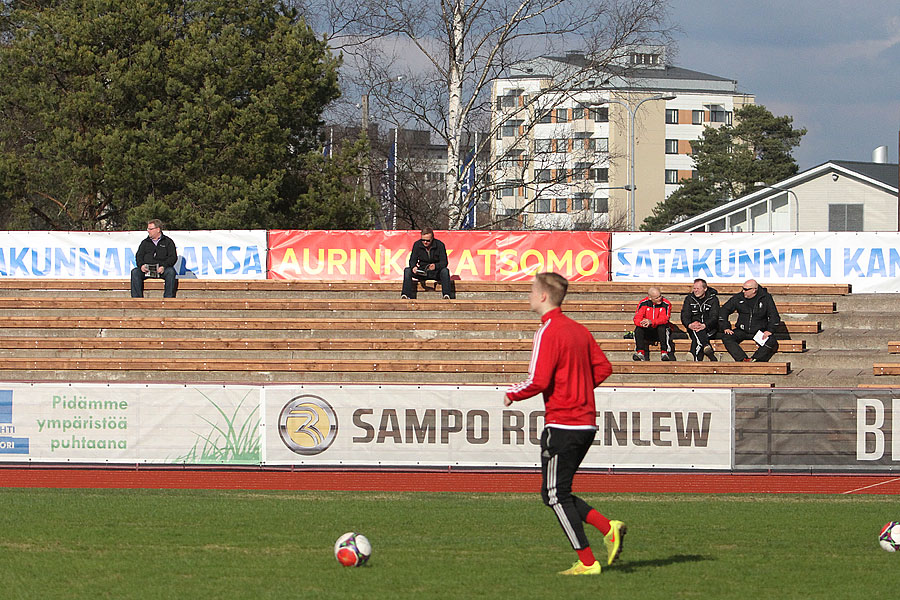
(657, 313)
(566, 366)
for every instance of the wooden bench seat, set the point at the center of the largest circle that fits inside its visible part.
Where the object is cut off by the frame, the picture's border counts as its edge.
(386, 344)
(294, 324)
(375, 366)
(343, 304)
(639, 289)
(894, 347)
(886, 369)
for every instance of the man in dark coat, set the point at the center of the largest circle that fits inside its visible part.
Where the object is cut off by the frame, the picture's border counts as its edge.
(427, 260)
(700, 317)
(757, 320)
(155, 257)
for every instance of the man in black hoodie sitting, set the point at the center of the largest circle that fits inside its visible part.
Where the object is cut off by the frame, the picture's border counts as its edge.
(700, 317)
(757, 319)
(427, 260)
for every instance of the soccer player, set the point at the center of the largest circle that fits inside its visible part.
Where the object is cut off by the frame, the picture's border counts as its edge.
(566, 366)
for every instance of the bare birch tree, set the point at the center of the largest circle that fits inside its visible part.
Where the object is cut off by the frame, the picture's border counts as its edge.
(431, 64)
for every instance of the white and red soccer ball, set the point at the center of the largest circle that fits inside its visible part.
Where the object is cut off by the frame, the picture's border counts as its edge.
(352, 549)
(889, 538)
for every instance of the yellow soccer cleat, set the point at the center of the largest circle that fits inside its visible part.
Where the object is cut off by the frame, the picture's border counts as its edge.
(579, 569)
(614, 540)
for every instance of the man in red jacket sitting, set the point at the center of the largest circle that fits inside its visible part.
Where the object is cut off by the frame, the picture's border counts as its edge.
(566, 366)
(651, 321)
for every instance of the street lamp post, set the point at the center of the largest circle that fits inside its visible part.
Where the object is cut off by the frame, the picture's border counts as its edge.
(364, 106)
(632, 113)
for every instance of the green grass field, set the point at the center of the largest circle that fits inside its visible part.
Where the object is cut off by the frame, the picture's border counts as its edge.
(233, 544)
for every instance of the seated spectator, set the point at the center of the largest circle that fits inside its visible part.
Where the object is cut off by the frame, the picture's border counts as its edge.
(157, 253)
(700, 317)
(427, 260)
(652, 325)
(757, 314)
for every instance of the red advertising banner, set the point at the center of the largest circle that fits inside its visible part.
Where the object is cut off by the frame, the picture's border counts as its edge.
(474, 255)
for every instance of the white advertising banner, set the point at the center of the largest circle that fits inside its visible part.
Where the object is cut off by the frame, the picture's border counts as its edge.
(122, 423)
(110, 255)
(869, 261)
(322, 425)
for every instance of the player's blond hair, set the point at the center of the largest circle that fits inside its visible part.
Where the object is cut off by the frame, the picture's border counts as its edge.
(555, 285)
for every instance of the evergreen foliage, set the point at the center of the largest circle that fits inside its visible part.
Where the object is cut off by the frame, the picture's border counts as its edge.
(730, 161)
(203, 113)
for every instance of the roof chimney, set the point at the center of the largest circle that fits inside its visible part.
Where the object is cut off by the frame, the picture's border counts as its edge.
(880, 155)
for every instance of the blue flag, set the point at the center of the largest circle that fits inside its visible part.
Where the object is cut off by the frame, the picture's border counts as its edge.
(466, 187)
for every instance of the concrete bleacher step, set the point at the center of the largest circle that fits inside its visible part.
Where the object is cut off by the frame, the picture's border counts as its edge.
(26, 305)
(524, 286)
(267, 324)
(329, 344)
(313, 370)
(407, 323)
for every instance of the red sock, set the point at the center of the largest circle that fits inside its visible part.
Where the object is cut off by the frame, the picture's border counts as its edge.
(599, 521)
(586, 556)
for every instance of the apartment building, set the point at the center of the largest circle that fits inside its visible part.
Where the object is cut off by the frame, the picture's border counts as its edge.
(561, 150)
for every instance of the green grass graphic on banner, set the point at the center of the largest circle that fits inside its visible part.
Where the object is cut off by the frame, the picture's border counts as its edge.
(231, 442)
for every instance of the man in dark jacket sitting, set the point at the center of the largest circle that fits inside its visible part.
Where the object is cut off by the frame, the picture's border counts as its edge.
(757, 319)
(427, 260)
(700, 317)
(155, 257)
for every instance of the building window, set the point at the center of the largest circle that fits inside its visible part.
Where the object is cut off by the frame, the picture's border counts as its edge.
(542, 175)
(600, 115)
(598, 144)
(562, 145)
(639, 58)
(511, 128)
(580, 172)
(671, 175)
(542, 205)
(697, 117)
(561, 205)
(671, 146)
(577, 113)
(562, 115)
(672, 116)
(544, 116)
(542, 146)
(716, 113)
(601, 205)
(580, 201)
(845, 217)
(600, 175)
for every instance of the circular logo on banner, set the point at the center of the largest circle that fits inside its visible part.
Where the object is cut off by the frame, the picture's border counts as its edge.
(307, 425)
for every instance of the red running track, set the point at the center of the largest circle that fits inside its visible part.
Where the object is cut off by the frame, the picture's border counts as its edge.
(446, 481)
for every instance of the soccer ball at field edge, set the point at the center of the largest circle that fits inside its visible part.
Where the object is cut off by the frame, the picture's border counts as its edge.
(352, 549)
(889, 538)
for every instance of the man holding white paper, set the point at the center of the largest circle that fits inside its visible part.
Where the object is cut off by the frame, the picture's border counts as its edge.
(757, 318)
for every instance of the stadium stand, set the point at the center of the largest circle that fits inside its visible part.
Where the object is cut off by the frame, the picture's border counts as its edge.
(343, 331)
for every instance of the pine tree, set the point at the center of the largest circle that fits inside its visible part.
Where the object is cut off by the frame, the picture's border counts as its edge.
(730, 161)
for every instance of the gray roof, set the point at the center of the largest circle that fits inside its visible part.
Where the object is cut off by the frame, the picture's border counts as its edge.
(666, 77)
(886, 173)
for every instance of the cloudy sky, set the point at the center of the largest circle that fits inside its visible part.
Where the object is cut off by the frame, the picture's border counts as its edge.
(833, 65)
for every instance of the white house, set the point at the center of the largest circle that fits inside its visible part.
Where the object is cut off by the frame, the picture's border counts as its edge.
(838, 195)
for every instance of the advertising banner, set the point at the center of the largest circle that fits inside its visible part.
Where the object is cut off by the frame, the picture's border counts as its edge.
(110, 255)
(869, 261)
(473, 255)
(817, 428)
(95, 423)
(322, 425)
